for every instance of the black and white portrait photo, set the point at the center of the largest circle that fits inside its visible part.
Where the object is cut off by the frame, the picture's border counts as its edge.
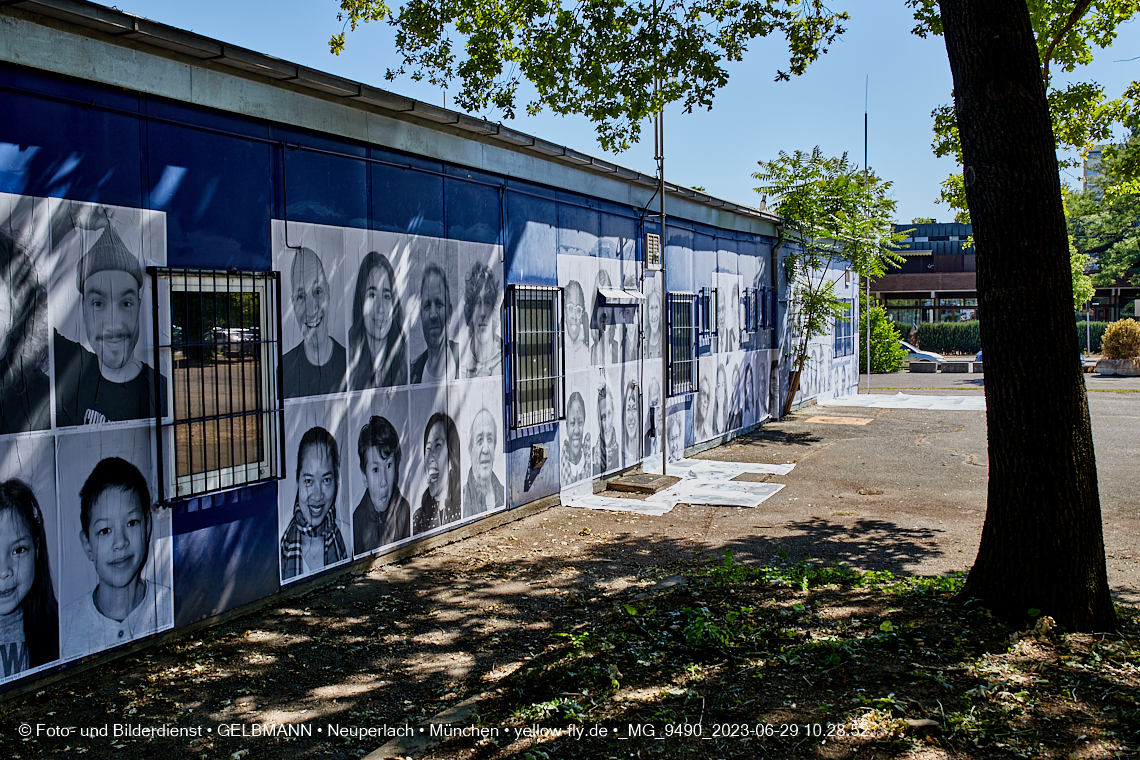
(437, 359)
(482, 294)
(117, 547)
(378, 347)
(654, 419)
(482, 491)
(631, 424)
(653, 319)
(439, 504)
(24, 384)
(101, 306)
(383, 515)
(576, 325)
(607, 454)
(29, 610)
(312, 500)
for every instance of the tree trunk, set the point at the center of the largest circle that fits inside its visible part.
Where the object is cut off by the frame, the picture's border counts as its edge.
(1042, 544)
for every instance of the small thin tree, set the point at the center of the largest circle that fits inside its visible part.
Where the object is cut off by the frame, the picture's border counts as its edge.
(833, 213)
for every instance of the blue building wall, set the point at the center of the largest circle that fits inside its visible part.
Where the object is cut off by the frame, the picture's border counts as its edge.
(200, 188)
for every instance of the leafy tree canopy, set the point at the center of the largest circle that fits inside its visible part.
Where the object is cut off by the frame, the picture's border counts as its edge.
(836, 214)
(1068, 35)
(1104, 221)
(600, 58)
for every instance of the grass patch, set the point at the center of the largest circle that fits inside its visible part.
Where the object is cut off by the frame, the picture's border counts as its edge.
(744, 653)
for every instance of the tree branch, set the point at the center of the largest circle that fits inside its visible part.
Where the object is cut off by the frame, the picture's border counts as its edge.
(1078, 11)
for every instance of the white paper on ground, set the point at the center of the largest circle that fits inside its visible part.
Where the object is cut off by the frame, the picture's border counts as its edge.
(617, 504)
(903, 401)
(715, 470)
(726, 493)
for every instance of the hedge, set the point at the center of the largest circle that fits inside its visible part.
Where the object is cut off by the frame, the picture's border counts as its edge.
(964, 338)
(950, 337)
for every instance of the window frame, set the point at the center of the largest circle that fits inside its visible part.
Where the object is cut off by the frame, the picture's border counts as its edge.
(269, 399)
(554, 409)
(677, 387)
(844, 340)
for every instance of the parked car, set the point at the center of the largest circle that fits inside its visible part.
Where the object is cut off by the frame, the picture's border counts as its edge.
(918, 355)
(978, 358)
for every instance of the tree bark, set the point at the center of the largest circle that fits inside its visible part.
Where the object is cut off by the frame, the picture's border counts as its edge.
(1042, 544)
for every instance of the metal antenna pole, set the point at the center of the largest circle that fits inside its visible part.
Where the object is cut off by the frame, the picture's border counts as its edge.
(659, 143)
(865, 92)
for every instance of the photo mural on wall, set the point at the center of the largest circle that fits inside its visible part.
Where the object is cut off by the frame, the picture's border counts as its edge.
(410, 429)
(88, 556)
(116, 547)
(29, 568)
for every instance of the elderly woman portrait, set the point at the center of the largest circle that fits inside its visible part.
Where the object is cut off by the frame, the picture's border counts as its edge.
(483, 491)
(483, 355)
(378, 350)
(383, 515)
(23, 342)
(439, 504)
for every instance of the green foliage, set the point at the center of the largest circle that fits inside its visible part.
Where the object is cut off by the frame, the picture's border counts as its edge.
(1094, 334)
(600, 58)
(922, 220)
(1122, 340)
(887, 354)
(1068, 35)
(950, 337)
(1102, 220)
(835, 213)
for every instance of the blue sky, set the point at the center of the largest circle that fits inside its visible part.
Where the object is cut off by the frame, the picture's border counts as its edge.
(752, 119)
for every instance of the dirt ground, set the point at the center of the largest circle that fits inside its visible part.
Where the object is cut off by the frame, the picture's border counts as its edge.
(396, 643)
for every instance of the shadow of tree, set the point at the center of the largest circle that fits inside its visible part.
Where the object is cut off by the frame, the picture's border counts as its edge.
(865, 544)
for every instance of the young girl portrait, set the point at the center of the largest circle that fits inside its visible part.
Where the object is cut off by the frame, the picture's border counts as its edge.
(29, 613)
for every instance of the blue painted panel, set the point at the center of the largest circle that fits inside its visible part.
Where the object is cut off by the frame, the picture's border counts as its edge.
(679, 260)
(532, 240)
(225, 552)
(527, 485)
(406, 200)
(577, 230)
(321, 188)
(57, 149)
(623, 231)
(472, 211)
(217, 192)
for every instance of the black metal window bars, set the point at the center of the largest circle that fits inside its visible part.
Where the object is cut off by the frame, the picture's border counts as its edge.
(682, 343)
(537, 381)
(224, 355)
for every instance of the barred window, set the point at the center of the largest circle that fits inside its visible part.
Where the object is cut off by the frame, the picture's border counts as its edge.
(224, 352)
(845, 330)
(707, 311)
(535, 329)
(682, 343)
(753, 314)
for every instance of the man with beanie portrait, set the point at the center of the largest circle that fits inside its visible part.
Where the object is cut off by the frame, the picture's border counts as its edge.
(112, 383)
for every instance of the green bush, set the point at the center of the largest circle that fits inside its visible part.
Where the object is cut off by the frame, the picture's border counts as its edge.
(1122, 340)
(950, 337)
(1094, 335)
(886, 353)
